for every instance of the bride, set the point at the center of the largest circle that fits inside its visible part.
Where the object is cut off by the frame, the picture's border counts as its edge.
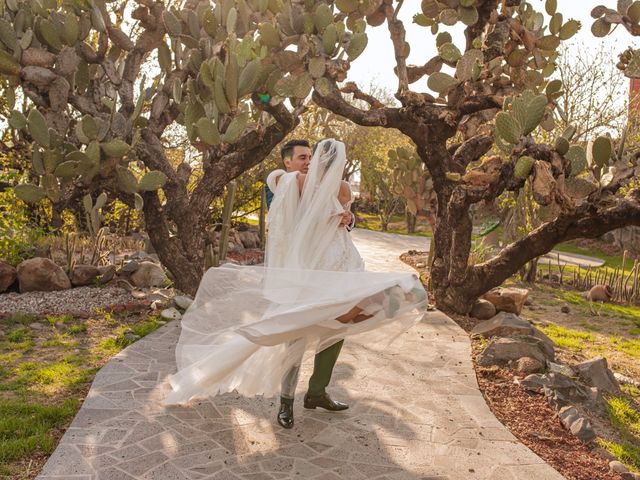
(246, 321)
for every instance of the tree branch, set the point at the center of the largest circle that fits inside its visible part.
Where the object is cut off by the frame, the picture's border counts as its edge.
(587, 221)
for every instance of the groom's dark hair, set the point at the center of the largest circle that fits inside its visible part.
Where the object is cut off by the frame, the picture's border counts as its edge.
(287, 148)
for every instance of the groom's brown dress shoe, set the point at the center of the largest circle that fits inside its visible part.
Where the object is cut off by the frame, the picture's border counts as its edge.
(285, 415)
(323, 401)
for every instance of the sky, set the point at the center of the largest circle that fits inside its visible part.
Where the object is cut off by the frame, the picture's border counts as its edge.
(375, 65)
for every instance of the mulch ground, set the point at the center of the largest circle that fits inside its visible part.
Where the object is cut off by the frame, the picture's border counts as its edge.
(527, 415)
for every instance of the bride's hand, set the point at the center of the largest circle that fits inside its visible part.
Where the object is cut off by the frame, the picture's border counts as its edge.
(346, 219)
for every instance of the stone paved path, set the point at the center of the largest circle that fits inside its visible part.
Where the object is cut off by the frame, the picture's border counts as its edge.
(416, 413)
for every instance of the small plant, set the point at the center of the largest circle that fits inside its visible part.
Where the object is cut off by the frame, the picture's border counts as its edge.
(20, 318)
(77, 329)
(19, 335)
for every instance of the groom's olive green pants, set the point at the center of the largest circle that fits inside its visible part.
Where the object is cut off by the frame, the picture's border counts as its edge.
(322, 369)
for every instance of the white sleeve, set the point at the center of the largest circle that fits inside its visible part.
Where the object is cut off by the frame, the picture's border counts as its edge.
(271, 179)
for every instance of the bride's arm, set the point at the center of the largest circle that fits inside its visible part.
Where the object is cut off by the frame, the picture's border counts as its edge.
(344, 195)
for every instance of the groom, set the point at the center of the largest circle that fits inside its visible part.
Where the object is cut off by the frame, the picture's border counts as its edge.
(296, 156)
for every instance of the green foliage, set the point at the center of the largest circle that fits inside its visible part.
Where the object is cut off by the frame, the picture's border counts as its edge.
(567, 337)
(19, 232)
(27, 429)
(623, 415)
(627, 453)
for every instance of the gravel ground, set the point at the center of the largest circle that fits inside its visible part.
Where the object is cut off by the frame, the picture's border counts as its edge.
(81, 301)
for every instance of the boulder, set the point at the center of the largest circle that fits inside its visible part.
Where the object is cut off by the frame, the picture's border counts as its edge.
(482, 309)
(582, 429)
(565, 370)
(528, 365)
(507, 299)
(41, 274)
(249, 239)
(149, 274)
(182, 301)
(84, 275)
(568, 415)
(106, 273)
(171, 314)
(501, 351)
(617, 467)
(503, 325)
(8, 275)
(597, 374)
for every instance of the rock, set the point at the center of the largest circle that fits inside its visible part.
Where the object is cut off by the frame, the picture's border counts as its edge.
(36, 326)
(568, 415)
(182, 301)
(507, 299)
(106, 274)
(482, 309)
(503, 325)
(83, 275)
(630, 476)
(603, 453)
(527, 365)
(149, 274)
(130, 267)
(131, 337)
(171, 314)
(582, 429)
(561, 390)
(423, 265)
(139, 294)
(565, 309)
(8, 275)
(627, 380)
(565, 370)
(597, 374)
(249, 239)
(41, 274)
(500, 351)
(617, 467)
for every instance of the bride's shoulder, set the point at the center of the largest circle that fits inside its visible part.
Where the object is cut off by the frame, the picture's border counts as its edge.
(273, 177)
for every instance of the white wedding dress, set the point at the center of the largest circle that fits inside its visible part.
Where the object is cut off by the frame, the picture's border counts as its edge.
(241, 331)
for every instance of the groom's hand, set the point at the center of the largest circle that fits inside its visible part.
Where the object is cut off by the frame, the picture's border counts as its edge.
(346, 219)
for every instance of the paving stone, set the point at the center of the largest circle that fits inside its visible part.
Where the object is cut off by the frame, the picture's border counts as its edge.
(392, 431)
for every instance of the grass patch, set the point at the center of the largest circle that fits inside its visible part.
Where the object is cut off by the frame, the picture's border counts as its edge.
(113, 345)
(77, 328)
(26, 428)
(623, 312)
(41, 380)
(53, 320)
(630, 347)
(60, 340)
(623, 415)
(19, 318)
(567, 337)
(625, 452)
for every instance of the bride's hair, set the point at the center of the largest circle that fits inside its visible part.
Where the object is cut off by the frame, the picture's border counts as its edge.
(328, 152)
